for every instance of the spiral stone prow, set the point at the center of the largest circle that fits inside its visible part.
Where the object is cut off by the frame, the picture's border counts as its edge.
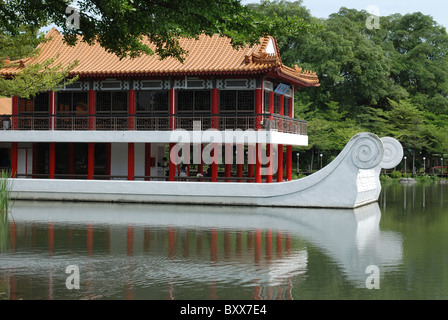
(367, 151)
(393, 153)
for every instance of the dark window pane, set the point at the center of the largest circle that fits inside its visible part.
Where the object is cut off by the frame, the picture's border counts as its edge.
(267, 102)
(143, 101)
(64, 102)
(185, 101)
(276, 103)
(103, 102)
(246, 100)
(80, 102)
(160, 101)
(119, 102)
(202, 101)
(227, 100)
(42, 103)
(287, 106)
(26, 106)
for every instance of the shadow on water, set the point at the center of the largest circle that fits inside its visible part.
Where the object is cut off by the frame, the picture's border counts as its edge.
(131, 251)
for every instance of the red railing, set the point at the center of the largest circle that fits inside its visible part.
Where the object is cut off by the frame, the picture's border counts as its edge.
(155, 123)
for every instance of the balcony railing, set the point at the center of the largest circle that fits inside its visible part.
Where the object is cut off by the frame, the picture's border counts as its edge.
(155, 123)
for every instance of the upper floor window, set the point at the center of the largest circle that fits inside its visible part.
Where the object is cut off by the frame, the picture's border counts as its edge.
(242, 101)
(267, 102)
(287, 107)
(112, 102)
(69, 103)
(194, 101)
(152, 101)
(277, 104)
(40, 104)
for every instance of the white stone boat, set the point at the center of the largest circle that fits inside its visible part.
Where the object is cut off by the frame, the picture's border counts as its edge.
(351, 180)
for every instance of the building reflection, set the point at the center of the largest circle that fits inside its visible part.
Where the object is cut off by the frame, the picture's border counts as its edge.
(260, 249)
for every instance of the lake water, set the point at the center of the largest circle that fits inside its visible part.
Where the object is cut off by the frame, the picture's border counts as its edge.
(396, 249)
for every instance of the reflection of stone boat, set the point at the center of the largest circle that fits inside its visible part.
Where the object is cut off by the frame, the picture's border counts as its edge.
(351, 237)
(350, 181)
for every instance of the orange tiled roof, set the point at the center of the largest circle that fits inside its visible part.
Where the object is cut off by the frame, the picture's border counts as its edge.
(207, 55)
(5, 106)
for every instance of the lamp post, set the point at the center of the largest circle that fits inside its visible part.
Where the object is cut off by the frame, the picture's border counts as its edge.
(441, 166)
(413, 162)
(405, 164)
(321, 161)
(424, 165)
(298, 156)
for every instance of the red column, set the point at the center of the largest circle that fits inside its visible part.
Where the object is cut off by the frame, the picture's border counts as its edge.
(271, 102)
(131, 162)
(239, 161)
(147, 160)
(282, 111)
(14, 158)
(258, 163)
(172, 166)
(228, 171)
(257, 246)
(280, 163)
(51, 237)
(269, 154)
(268, 244)
(91, 109)
(215, 108)
(201, 165)
(289, 148)
(131, 106)
(251, 156)
(90, 160)
(289, 162)
(52, 161)
(52, 110)
(15, 112)
(282, 105)
(13, 235)
(172, 110)
(258, 107)
(291, 106)
(214, 244)
(214, 165)
(228, 160)
(130, 241)
(89, 240)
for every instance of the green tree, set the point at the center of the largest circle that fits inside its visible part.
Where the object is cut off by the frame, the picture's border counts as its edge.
(406, 124)
(34, 78)
(120, 25)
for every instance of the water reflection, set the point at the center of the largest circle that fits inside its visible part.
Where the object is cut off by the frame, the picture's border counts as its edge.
(414, 197)
(133, 251)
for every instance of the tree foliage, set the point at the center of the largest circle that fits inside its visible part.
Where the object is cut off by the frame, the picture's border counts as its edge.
(120, 26)
(391, 81)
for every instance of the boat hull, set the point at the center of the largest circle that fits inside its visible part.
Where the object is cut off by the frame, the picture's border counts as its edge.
(350, 181)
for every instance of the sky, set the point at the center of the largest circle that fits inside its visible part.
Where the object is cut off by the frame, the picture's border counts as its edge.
(438, 9)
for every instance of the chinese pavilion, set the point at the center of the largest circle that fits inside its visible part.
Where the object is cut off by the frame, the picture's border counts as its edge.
(116, 121)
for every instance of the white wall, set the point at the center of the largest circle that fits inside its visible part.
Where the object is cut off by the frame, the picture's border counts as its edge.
(119, 159)
(139, 159)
